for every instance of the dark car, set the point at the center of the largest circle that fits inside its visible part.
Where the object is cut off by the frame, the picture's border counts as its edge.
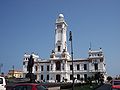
(29, 86)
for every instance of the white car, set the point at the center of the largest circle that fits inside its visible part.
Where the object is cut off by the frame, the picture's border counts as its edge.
(2, 83)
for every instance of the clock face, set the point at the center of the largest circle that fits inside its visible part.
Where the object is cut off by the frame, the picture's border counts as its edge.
(59, 26)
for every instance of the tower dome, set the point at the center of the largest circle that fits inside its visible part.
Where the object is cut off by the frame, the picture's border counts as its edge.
(61, 16)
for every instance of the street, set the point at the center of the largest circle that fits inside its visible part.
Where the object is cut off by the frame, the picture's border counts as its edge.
(104, 87)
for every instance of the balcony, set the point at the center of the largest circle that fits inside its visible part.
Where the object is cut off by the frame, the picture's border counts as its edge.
(58, 71)
(99, 70)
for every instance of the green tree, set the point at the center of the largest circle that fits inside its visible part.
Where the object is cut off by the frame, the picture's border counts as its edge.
(109, 79)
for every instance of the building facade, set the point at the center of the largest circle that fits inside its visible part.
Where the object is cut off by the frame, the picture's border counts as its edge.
(15, 73)
(58, 68)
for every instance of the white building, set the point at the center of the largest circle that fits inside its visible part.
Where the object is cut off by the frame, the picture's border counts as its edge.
(58, 67)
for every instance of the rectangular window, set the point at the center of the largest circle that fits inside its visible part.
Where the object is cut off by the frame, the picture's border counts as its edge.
(71, 77)
(85, 77)
(36, 68)
(47, 77)
(63, 66)
(78, 67)
(1, 81)
(58, 48)
(85, 66)
(78, 77)
(41, 77)
(41, 68)
(96, 66)
(47, 67)
(70, 67)
(23, 63)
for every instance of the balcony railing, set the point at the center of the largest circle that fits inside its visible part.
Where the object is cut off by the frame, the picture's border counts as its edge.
(99, 70)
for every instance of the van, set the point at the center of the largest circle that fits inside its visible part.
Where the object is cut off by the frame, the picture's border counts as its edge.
(2, 83)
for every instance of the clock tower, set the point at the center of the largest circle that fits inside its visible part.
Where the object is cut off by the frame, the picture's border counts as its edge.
(60, 37)
(60, 34)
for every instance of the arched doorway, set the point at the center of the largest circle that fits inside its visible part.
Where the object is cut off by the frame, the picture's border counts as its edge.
(58, 78)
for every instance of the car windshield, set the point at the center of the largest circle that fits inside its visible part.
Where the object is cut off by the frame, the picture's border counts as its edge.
(1, 81)
(116, 82)
(26, 87)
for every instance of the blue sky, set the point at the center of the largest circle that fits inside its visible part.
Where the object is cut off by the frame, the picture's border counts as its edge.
(28, 26)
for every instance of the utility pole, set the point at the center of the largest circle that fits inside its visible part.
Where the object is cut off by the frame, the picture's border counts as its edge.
(70, 39)
(1, 65)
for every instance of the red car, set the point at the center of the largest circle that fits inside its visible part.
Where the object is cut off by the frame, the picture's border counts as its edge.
(29, 86)
(116, 85)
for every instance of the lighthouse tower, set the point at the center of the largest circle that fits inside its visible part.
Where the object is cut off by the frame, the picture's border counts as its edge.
(60, 38)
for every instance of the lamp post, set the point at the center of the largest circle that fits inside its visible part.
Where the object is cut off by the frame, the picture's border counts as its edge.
(70, 39)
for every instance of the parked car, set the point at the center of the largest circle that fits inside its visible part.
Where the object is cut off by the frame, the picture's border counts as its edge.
(115, 85)
(2, 83)
(29, 86)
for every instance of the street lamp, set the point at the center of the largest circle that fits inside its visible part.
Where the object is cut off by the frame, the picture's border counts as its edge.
(70, 39)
